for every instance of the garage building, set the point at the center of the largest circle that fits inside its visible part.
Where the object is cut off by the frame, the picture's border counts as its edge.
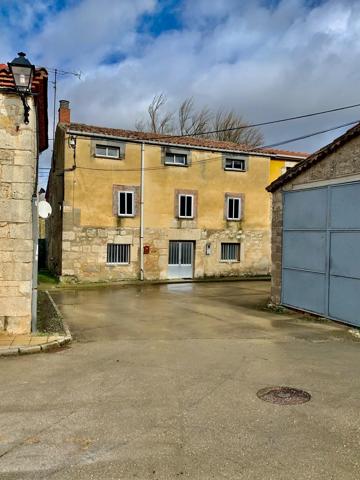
(316, 232)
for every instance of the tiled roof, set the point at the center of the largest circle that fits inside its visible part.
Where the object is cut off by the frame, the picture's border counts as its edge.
(39, 87)
(181, 141)
(314, 158)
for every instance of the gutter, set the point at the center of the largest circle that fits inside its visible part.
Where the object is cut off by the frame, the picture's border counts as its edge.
(177, 145)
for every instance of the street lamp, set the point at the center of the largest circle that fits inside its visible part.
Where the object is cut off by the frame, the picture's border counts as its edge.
(22, 71)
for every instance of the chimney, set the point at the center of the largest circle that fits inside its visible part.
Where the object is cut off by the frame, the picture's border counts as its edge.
(64, 111)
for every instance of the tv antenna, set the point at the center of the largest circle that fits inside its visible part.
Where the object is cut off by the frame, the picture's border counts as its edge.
(58, 72)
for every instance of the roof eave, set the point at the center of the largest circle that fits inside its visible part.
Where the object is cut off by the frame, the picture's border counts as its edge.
(316, 157)
(181, 145)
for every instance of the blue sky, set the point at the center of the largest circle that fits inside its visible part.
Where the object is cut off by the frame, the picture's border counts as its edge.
(264, 59)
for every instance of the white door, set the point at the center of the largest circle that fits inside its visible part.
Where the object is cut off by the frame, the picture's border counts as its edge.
(181, 258)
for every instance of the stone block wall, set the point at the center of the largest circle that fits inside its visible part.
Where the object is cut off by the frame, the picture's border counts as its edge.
(18, 153)
(84, 250)
(341, 165)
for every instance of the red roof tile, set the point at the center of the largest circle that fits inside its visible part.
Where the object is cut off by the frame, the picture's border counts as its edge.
(181, 141)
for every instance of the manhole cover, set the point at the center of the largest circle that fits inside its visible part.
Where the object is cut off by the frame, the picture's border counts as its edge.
(283, 395)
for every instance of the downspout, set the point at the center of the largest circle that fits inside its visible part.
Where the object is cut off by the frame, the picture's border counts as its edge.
(35, 230)
(142, 212)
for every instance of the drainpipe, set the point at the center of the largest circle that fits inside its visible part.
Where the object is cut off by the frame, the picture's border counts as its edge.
(142, 212)
(35, 228)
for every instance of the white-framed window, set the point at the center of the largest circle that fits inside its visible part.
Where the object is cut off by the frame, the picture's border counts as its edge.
(186, 206)
(126, 204)
(107, 151)
(176, 159)
(118, 253)
(233, 208)
(230, 252)
(236, 164)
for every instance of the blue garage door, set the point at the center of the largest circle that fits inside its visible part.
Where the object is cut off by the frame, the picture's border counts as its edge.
(321, 246)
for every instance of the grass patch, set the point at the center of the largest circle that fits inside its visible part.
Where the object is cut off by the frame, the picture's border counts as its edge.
(48, 320)
(276, 308)
(44, 276)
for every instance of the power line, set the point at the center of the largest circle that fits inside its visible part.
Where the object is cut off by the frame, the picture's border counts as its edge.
(302, 137)
(205, 160)
(260, 124)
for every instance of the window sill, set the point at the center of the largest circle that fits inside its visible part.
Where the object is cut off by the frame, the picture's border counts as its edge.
(234, 170)
(229, 261)
(113, 264)
(126, 216)
(175, 165)
(185, 218)
(233, 219)
(108, 158)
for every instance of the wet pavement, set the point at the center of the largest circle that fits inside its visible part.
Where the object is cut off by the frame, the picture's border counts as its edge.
(161, 383)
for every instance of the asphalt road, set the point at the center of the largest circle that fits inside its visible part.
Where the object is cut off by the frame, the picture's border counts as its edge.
(161, 383)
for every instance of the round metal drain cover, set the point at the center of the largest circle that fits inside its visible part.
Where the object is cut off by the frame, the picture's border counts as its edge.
(283, 395)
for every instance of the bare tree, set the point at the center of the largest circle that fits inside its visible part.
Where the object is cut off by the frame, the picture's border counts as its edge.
(158, 121)
(226, 126)
(193, 122)
(221, 125)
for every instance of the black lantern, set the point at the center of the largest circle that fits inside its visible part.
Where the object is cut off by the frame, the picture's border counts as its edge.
(22, 71)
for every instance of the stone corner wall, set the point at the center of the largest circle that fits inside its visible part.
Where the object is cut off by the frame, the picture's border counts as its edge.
(17, 176)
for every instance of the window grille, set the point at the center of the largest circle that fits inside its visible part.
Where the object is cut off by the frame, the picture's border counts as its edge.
(230, 252)
(118, 253)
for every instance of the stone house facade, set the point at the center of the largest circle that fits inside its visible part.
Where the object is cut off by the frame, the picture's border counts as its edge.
(20, 145)
(205, 209)
(335, 165)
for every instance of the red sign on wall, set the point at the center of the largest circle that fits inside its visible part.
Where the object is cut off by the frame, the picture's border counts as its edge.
(146, 249)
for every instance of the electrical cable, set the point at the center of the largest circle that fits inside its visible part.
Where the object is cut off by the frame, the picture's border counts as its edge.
(205, 160)
(302, 137)
(260, 124)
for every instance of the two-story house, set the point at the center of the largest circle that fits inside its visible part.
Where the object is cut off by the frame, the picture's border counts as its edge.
(130, 205)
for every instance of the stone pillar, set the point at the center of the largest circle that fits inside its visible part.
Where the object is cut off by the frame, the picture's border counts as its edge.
(18, 154)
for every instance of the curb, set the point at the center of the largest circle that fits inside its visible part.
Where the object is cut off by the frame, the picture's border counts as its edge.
(126, 283)
(29, 349)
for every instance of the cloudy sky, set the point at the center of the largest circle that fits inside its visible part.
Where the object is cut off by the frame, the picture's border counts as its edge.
(266, 59)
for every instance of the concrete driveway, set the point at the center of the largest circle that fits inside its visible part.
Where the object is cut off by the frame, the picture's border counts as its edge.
(161, 383)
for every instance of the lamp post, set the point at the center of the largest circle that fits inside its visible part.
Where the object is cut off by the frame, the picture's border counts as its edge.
(22, 71)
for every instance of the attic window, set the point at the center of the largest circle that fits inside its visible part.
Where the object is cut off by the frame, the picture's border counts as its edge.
(235, 164)
(176, 159)
(107, 151)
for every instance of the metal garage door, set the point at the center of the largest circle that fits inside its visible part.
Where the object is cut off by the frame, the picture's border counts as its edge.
(321, 251)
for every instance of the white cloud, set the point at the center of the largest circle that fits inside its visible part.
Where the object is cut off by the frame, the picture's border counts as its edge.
(82, 35)
(265, 62)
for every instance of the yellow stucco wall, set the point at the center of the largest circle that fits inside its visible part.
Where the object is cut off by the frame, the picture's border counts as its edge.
(89, 222)
(278, 167)
(91, 190)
